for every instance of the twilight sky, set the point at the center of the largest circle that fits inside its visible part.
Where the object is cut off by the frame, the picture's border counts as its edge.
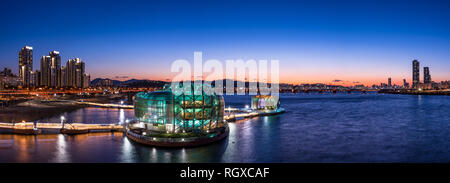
(315, 41)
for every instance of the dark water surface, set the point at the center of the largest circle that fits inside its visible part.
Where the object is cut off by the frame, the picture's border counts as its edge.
(315, 128)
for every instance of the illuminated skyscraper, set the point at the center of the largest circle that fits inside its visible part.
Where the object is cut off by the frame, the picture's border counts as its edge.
(45, 79)
(70, 72)
(55, 69)
(25, 65)
(415, 74)
(426, 75)
(75, 73)
(86, 80)
(405, 84)
(389, 82)
(79, 73)
(63, 76)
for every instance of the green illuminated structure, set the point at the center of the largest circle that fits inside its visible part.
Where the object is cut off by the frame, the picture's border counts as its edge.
(166, 112)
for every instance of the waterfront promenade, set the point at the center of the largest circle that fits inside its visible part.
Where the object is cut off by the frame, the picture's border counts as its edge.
(415, 92)
(56, 128)
(120, 106)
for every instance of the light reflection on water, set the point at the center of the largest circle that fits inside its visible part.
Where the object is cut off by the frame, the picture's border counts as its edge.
(62, 156)
(94, 115)
(315, 128)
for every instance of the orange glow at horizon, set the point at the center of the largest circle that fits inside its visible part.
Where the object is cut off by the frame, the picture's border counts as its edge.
(290, 79)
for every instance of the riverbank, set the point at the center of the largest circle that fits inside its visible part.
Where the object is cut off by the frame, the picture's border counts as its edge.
(39, 108)
(416, 92)
(34, 110)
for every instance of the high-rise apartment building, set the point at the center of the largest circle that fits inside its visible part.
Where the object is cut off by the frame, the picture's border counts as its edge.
(45, 79)
(415, 73)
(79, 73)
(405, 84)
(70, 73)
(86, 80)
(55, 69)
(63, 75)
(75, 73)
(426, 75)
(25, 65)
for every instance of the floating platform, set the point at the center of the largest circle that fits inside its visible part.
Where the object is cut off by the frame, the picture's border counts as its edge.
(248, 113)
(178, 142)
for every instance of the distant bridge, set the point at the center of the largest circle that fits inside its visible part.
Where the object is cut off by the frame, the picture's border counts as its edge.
(328, 90)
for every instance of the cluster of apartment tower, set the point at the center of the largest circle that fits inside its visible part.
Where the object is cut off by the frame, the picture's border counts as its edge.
(416, 75)
(52, 74)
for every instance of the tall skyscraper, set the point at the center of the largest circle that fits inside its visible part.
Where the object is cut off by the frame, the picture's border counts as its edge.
(415, 74)
(426, 75)
(63, 75)
(86, 81)
(33, 78)
(389, 82)
(25, 65)
(55, 69)
(45, 71)
(75, 72)
(79, 72)
(37, 78)
(70, 72)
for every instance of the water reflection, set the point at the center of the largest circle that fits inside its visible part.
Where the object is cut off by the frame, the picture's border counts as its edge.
(62, 156)
(121, 116)
(94, 115)
(127, 151)
(315, 128)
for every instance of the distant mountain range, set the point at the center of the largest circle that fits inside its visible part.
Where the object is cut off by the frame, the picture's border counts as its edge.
(127, 83)
(143, 83)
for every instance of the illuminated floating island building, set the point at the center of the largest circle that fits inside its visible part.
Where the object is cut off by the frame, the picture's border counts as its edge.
(165, 119)
(266, 104)
(262, 105)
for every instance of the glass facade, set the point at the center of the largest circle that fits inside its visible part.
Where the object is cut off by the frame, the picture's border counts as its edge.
(164, 111)
(265, 102)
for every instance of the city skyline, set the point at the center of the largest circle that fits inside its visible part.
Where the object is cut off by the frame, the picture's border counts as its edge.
(57, 75)
(315, 44)
(51, 73)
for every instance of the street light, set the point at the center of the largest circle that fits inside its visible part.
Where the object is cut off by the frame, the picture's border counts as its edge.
(62, 121)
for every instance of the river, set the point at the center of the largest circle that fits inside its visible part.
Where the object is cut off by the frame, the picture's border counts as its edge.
(316, 128)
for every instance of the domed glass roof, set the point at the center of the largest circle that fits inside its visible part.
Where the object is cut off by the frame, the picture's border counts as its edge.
(157, 95)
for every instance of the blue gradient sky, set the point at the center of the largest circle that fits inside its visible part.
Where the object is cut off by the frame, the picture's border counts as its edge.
(315, 41)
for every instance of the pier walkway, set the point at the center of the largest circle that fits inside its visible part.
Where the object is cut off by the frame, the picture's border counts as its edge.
(233, 114)
(56, 128)
(121, 106)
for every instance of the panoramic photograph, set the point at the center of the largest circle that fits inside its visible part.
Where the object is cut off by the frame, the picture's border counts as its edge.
(114, 81)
